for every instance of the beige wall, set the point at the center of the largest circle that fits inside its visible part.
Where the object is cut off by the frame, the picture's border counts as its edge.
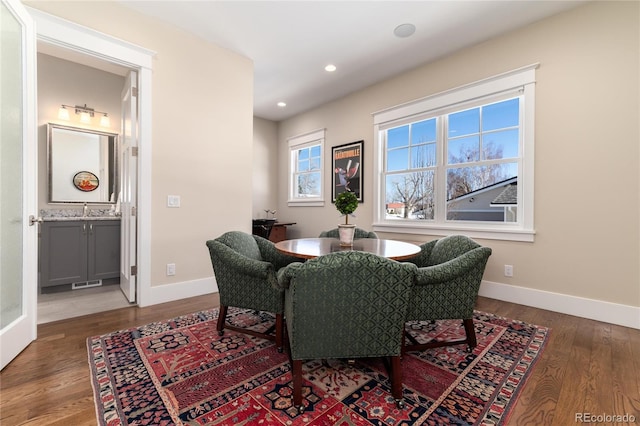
(63, 82)
(202, 107)
(587, 178)
(265, 160)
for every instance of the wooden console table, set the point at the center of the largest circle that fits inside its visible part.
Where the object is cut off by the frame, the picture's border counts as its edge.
(279, 231)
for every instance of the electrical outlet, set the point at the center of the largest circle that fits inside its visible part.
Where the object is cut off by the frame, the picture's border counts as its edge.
(171, 269)
(508, 270)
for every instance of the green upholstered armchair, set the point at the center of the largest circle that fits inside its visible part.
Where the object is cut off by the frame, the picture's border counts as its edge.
(447, 282)
(245, 268)
(359, 233)
(346, 304)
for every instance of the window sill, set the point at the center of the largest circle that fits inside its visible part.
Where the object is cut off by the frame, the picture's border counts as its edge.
(306, 203)
(487, 232)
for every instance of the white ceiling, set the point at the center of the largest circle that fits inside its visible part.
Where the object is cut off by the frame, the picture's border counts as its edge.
(290, 42)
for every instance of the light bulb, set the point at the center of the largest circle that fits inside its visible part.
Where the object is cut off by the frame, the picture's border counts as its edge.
(104, 121)
(63, 113)
(85, 117)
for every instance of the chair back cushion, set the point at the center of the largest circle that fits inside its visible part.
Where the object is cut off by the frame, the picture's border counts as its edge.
(242, 243)
(359, 233)
(448, 248)
(346, 305)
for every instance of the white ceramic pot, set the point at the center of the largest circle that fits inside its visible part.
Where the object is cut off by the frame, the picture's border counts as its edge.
(346, 233)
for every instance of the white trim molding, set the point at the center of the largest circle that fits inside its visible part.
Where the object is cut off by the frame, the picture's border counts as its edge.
(612, 313)
(181, 290)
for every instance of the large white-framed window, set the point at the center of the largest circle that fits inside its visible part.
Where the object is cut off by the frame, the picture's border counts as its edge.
(460, 161)
(306, 169)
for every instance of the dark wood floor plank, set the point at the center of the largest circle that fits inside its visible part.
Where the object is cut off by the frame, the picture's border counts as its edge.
(599, 395)
(538, 401)
(48, 383)
(625, 350)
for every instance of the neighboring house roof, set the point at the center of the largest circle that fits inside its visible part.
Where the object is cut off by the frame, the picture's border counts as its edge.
(513, 180)
(395, 205)
(507, 197)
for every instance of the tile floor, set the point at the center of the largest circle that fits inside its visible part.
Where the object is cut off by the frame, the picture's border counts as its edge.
(74, 303)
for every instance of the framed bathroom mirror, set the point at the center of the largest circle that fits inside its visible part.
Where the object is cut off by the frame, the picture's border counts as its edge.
(82, 165)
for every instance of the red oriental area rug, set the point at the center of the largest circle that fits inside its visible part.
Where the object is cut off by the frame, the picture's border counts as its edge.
(180, 372)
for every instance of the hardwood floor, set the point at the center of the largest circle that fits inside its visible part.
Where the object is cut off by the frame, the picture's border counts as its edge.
(587, 367)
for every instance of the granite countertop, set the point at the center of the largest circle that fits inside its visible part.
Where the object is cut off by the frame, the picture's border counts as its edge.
(57, 215)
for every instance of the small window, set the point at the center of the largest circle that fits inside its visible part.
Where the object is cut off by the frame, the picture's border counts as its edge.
(306, 169)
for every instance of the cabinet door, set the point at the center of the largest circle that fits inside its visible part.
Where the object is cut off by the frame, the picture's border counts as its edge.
(64, 253)
(104, 249)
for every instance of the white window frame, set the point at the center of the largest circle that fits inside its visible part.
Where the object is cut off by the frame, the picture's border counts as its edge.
(521, 80)
(295, 143)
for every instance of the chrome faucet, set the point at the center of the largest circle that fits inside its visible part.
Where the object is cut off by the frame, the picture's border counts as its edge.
(85, 210)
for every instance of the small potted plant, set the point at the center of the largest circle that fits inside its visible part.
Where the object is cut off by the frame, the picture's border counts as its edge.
(346, 204)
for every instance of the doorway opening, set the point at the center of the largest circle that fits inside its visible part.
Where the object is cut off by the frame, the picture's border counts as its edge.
(90, 48)
(66, 78)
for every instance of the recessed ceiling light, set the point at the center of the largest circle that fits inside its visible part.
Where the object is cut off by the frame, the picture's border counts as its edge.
(404, 30)
(330, 68)
(282, 104)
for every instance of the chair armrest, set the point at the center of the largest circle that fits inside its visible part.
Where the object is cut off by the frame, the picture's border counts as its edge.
(286, 273)
(452, 269)
(270, 254)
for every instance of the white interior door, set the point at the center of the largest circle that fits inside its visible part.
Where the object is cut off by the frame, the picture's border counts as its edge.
(128, 187)
(18, 172)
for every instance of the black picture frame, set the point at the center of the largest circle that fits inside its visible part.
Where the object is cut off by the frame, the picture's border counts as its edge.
(347, 162)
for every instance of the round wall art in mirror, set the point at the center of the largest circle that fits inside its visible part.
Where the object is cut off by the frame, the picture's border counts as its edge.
(86, 181)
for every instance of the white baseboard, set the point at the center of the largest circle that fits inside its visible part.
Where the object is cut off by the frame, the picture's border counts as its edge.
(613, 313)
(176, 291)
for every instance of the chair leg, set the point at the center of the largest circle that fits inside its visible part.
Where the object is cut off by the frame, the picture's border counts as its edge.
(403, 343)
(222, 315)
(297, 384)
(396, 380)
(279, 331)
(471, 333)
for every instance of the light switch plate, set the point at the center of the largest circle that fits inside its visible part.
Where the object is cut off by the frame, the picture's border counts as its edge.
(173, 201)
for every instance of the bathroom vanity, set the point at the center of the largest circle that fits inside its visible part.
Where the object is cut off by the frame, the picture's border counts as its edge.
(80, 247)
(80, 251)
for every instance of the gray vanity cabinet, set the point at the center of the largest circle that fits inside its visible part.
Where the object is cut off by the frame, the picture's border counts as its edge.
(79, 251)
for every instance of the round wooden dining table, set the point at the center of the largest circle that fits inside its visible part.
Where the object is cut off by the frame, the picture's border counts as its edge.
(308, 248)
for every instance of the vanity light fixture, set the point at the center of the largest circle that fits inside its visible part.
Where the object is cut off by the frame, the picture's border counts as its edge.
(63, 113)
(104, 120)
(85, 117)
(85, 113)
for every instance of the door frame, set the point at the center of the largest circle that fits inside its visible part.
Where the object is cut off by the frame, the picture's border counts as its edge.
(66, 34)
